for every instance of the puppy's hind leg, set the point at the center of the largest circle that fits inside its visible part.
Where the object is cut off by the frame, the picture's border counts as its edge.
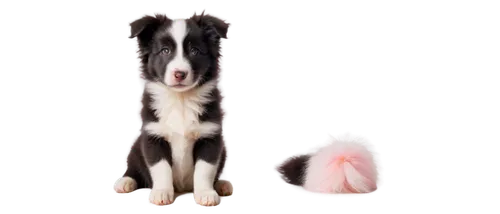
(223, 188)
(131, 179)
(124, 185)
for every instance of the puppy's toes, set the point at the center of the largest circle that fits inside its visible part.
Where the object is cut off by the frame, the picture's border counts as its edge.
(223, 188)
(125, 185)
(161, 196)
(207, 198)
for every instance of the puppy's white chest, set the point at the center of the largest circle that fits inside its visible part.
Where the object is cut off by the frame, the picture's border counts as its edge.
(177, 113)
(177, 118)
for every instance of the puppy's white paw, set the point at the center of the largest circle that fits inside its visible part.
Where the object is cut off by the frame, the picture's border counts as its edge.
(207, 197)
(161, 196)
(223, 188)
(125, 185)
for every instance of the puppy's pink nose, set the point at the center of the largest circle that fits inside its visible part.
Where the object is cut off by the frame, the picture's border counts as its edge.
(180, 75)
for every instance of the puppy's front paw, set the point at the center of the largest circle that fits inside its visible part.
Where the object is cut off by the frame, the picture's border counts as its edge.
(223, 188)
(161, 196)
(207, 197)
(125, 185)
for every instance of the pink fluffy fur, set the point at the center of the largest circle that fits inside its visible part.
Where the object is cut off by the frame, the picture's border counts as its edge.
(344, 166)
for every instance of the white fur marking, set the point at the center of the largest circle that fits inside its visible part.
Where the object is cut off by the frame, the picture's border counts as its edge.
(178, 120)
(182, 157)
(204, 192)
(178, 31)
(207, 198)
(161, 196)
(125, 184)
(178, 112)
(161, 174)
(205, 129)
(204, 175)
(162, 192)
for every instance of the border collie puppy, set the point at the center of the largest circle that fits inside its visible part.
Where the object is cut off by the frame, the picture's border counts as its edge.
(180, 148)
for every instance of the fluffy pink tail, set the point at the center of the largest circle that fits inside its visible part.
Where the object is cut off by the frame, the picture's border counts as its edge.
(343, 164)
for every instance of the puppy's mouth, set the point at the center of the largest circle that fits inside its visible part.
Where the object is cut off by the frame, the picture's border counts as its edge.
(180, 87)
(177, 86)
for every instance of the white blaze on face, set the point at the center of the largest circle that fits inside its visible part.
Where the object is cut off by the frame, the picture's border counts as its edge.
(178, 31)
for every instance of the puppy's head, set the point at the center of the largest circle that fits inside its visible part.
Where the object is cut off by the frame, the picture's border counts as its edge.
(180, 53)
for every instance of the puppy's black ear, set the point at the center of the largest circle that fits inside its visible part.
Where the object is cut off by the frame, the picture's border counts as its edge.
(292, 169)
(211, 23)
(145, 27)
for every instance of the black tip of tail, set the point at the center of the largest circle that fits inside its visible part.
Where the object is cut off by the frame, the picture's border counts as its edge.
(292, 169)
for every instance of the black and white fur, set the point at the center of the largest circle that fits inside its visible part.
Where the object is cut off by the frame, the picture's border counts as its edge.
(181, 147)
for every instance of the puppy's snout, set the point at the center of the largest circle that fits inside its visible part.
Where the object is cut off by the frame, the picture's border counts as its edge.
(180, 75)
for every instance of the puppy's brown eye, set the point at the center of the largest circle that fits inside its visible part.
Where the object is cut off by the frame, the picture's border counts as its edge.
(194, 51)
(165, 50)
